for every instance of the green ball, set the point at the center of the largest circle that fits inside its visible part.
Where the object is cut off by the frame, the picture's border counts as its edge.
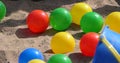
(2, 10)
(91, 22)
(60, 19)
(59, 58)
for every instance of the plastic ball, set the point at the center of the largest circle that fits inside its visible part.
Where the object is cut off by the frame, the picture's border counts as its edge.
(2, 10)
(37, 21)
(91, 22)
(60, 19)
(36, 61)
(113, 21)
(30, 54)
(59, 58)
(88, 43)
(78, 10)
(62, 42)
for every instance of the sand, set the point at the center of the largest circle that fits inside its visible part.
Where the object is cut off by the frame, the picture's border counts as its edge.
(15, 36)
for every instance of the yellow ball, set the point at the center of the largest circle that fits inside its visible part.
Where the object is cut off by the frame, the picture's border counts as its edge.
(36, 61)
(62, 42)
(78, 10)
(113, 21)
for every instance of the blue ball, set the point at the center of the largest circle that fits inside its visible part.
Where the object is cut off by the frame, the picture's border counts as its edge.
(30, 54)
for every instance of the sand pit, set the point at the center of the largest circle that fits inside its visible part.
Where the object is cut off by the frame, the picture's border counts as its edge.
(15, 36)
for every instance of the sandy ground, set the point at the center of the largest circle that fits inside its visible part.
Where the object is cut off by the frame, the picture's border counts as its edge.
(15, 36)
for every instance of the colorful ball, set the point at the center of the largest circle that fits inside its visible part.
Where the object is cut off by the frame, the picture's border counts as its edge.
(30, 54)
(78, 10)
(91, 22)
(2, 10)
(113, 21)
(59, 58)
(37, 21)
(60, 19)
(36, 61)
(62, 42)
(88, 43)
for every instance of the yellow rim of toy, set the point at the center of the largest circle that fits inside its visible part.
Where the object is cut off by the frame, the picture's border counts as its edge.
(111, 48)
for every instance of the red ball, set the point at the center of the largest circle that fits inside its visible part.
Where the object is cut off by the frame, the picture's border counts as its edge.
(88, 43)
(37, 21)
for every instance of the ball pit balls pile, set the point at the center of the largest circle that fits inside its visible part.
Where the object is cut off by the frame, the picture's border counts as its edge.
(60, 19)
(78, 10)
(33, 55)
(62, 42)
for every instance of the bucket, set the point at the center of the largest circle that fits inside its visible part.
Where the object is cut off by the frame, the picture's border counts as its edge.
(108, 48)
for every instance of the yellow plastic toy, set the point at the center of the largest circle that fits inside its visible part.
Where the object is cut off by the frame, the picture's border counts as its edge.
(62, 42)
(36, 61)
(78, 10)
(113, 21)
